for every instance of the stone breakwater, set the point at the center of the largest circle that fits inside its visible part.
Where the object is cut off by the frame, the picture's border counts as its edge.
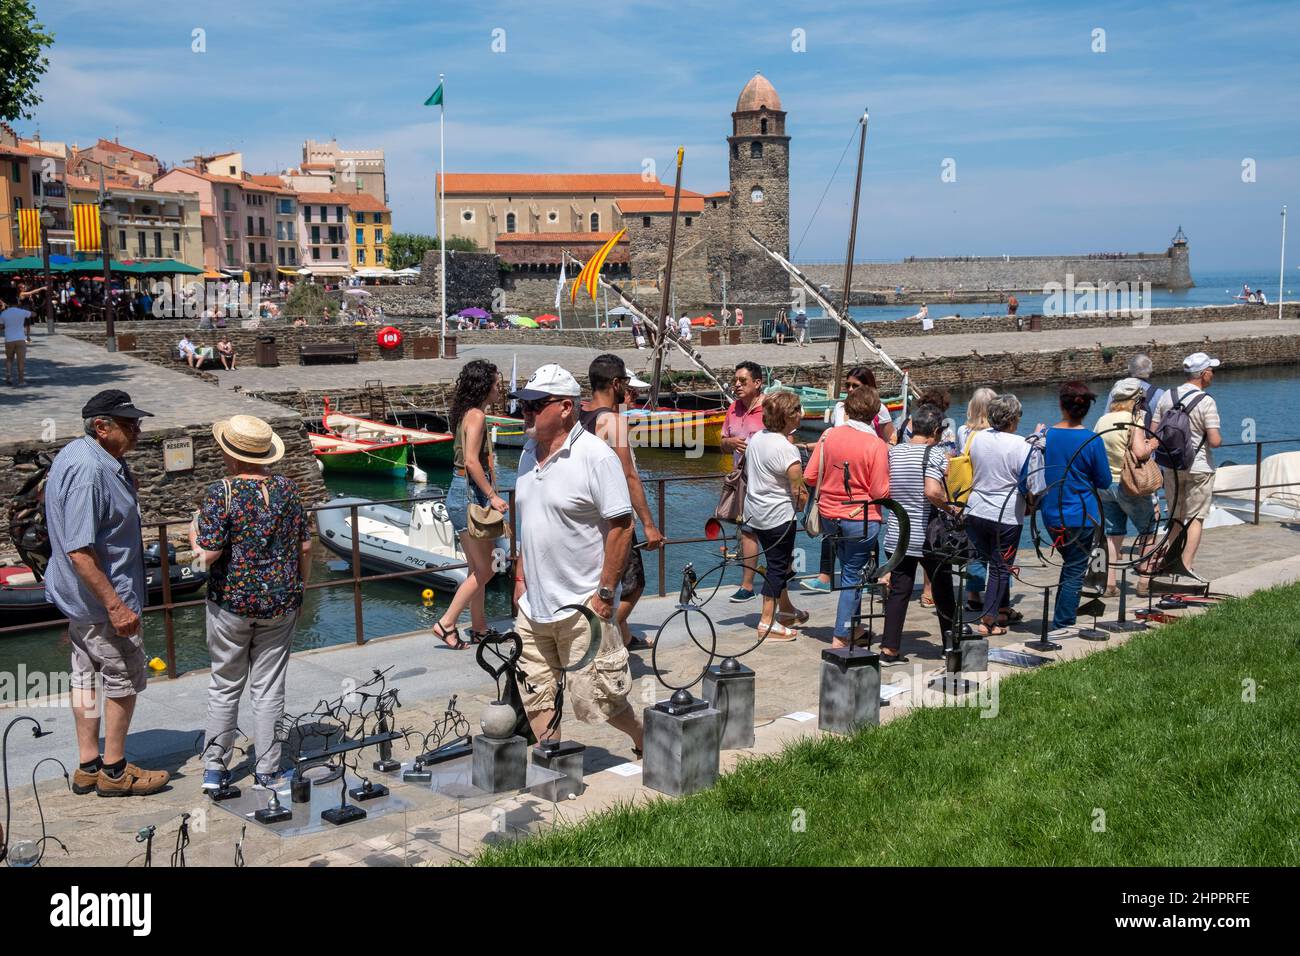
(175, 495)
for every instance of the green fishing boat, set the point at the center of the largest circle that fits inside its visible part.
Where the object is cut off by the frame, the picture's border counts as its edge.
(338, 455)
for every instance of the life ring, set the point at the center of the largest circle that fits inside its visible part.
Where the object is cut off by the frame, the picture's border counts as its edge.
(389, 337)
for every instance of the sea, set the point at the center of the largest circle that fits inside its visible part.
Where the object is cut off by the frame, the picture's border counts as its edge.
(1255, 404)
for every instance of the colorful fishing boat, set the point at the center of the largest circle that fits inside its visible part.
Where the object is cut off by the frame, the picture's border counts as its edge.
(506, 432)
(427, 448)
(675, 428)
(338, 455)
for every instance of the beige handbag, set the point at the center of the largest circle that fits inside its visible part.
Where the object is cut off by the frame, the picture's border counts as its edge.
(1138, 478)
(486, 521)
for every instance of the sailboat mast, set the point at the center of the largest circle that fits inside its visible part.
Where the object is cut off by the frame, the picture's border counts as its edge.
(837, 379)
(664, 300)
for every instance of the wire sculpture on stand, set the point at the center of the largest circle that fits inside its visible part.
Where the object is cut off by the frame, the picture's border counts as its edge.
(25, 853)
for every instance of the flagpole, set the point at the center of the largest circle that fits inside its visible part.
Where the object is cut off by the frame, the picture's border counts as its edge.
(1281, 269)
(442, 217)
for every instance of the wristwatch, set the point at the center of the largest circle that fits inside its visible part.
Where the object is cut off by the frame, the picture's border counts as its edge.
(605, 594)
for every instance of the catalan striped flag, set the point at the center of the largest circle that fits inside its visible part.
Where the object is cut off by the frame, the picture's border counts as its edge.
(589, 277)
(29, 228)
(85, 219)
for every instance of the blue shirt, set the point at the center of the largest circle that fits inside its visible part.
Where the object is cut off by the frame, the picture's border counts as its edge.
(1072, 502)
(90, 502)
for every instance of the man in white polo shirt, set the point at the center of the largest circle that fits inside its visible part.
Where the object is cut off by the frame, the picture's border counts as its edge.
(575, 530)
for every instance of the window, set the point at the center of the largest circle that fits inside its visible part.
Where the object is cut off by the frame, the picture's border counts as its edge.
(262, 249)
(762, 126)
(230, 254)
(334, 252)
(176, 242)
(306, 213)
(286, 206)
(140, 244)
(289, 231)
(252, 254)
(230, 228)
(379, 255)
(361, 237)
(645, 222)
(595, 222)
(121, 240)
(361, 257)
(553, 216)
(338, 213)
(279, 230)
(261, 226)
(315, 235)
(249, 230)
(359, 216)
(510, 222)
(467, 215)
(146, 210)
(157, 245)
(14, 171)
(379, 237)
(225, 199)
(293, 257)
(756, 194)
(755, 150)
(232, 171)
(315, 254)
(688, 220)
(280, 256)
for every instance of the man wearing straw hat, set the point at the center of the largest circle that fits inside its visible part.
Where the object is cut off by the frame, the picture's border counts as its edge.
(254, 537)
(96, 579)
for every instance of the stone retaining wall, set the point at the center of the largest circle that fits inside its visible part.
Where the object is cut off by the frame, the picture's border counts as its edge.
(176, 495)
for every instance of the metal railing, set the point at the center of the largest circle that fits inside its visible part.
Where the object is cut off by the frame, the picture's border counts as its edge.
(168, 606)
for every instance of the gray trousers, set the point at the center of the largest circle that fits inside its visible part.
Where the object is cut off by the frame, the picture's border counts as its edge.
(242, 648)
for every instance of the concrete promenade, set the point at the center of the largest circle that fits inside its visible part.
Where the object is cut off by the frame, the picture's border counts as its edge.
(435, 829)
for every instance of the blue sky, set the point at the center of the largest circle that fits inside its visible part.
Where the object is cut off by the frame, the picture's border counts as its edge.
(1056, 148)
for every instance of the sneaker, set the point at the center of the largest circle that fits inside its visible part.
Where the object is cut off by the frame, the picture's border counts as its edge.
(83, 781)
(133, 782)
(742, 595)
(215, 779)
(269, 781)
(1069, 630)
(814, 584)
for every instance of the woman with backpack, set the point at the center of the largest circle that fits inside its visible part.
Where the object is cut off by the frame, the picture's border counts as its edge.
(1075, 469)
(977, 419)
(1123, 430)
(254, 537)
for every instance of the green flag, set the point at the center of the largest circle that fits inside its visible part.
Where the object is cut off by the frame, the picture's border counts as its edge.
(436, 98)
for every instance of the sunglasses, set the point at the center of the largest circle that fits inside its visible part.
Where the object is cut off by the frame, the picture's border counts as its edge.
(534, 405)
(127, 424)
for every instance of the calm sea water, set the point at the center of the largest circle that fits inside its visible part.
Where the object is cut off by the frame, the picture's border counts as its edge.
(1257, 404)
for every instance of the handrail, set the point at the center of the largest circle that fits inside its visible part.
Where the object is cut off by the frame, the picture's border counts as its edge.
(168, 607)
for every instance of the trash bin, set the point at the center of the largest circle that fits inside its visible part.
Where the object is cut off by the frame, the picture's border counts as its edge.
(265, 352)
(451, 347)
(1035, 323)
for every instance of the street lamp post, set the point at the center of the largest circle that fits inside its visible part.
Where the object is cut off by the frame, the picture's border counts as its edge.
(47, 221)
(106, 220)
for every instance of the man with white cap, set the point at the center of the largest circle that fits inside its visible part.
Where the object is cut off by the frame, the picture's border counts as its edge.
(574, 518)
(612, 387)
(1188, 490)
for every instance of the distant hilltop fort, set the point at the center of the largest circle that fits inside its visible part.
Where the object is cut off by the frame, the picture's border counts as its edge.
(1170, 269)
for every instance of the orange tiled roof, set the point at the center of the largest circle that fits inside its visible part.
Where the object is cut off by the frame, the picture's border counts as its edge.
(560, 184)
(25, 148)
(590, 237)
(668, 191)
(719, 195)
(119, 148)
(270, 179)
(364, 202)
(323, 199)
(663, 204)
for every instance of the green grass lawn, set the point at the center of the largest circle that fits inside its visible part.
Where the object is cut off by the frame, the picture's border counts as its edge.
(1155, 734)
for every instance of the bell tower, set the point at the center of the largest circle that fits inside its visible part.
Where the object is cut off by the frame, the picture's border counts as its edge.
(759, 176)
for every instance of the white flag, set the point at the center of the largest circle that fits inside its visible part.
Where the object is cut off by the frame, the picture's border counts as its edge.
(559, 286)
(514, 370)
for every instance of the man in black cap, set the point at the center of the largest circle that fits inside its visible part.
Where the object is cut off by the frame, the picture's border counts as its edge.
(96, 579)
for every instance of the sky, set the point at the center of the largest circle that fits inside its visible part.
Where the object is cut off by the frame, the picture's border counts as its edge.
(995, 128)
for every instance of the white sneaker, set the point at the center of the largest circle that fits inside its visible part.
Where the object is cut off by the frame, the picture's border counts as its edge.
(1062, 632)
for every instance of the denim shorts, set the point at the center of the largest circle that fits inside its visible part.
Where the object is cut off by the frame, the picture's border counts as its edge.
(459, 496)
(1119, 509)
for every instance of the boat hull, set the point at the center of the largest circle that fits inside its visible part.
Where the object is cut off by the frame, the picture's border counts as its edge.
(380, 555)
(26, 603)
(367, 459)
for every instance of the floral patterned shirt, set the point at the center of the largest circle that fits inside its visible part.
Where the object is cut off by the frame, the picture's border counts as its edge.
(261, 538)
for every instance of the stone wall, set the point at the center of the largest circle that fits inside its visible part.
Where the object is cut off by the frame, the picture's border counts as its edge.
(471, 279)
(176, 495)
(1169, 269)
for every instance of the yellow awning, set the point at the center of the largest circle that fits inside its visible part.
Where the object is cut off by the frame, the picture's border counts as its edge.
(286, 272)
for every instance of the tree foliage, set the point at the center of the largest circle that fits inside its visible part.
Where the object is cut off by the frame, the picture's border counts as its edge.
(22, 62)
(310, 300)
(405, 249)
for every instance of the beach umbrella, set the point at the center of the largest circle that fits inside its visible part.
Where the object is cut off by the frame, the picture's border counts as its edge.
(522, 322)
(361, 292)
(473, 312)
(547, 319)
(621, 310)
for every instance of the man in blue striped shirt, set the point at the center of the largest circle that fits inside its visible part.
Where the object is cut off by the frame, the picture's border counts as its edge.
(96, 579)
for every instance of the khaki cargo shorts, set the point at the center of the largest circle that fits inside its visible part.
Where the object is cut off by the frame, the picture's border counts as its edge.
(596, 692)
(118, 660)
(1195, 491)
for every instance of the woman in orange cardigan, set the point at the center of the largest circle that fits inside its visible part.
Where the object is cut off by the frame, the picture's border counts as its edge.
(849, 466)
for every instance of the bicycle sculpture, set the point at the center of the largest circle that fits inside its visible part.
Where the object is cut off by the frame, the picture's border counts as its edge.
(348, 724)
(447, 739)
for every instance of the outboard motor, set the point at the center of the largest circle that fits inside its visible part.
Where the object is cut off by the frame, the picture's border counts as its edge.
(153, 555)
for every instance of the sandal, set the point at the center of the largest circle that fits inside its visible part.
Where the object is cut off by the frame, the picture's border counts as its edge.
(926, 602)
(777, 632)
(1009, 616)
(638, 644)
(889, 660)
(989, 630)
(447, 637)
(792, 617)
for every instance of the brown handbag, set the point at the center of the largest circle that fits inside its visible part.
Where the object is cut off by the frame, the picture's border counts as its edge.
(485, 521)
(1138, 479)
(731, 503)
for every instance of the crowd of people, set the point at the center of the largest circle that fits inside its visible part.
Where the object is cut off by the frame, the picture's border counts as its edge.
(578, 495)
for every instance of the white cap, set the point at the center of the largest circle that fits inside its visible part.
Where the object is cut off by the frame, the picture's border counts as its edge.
(1198, 362)
(549, 380)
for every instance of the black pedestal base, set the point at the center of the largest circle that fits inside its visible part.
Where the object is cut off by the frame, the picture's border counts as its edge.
(273, 814)
(1122, 627)
(348, 813)
(387, 766)
(953, 684)
(1092, 634)
(1043, 645)
(228, 792)
(368, 791)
